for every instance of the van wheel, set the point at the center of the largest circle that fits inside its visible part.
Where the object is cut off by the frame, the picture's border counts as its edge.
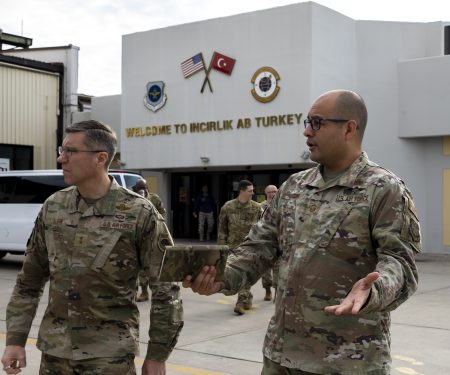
(2, 254)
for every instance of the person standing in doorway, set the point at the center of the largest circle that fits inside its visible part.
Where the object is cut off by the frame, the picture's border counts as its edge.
(204, 211)
(235, 220)
(269, 278)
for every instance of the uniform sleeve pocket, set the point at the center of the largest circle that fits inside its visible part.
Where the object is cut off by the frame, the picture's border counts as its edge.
(411, 227)
(55, 243)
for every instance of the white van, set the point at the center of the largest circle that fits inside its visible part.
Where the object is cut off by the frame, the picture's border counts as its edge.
(22, 194)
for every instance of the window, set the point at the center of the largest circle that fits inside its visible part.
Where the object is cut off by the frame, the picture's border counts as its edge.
(130, 180)
(29, 189)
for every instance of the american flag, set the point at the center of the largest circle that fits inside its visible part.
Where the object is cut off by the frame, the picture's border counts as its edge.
(192, 65)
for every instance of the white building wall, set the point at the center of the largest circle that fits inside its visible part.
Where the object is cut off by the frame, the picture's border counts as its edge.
(424, 97)
(333, 52)
(424, 111)
(382, 45)
(107, 109)
(314, 49)
(81, 116)
(284, 47)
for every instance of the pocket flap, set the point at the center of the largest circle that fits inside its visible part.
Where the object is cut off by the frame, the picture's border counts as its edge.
(107, 243)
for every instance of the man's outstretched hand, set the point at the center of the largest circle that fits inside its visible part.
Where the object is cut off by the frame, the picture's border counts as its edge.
(204, 283)
(357, 297)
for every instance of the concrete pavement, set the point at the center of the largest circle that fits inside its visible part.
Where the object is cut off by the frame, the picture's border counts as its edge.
(215, 341)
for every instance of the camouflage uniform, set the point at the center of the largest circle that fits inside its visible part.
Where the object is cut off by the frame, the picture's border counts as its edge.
(157, 202)
(143, 278)
(327, 236)
(92, 254)
(97, 366)
(268, 280)
(264, 205)
(235, 221)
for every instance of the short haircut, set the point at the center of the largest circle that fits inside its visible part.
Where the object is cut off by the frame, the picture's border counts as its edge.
(140, 184)
(98, 136)
(243, 184)
(350, 105)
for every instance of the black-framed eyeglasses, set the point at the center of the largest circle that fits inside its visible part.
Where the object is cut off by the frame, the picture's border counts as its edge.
(317, 122)
(70, 151)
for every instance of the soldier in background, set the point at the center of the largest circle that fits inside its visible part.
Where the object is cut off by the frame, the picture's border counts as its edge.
(205, 206)
(235, 220)
(346, 234)
(90, 240)
(269, 280)
(142, 189)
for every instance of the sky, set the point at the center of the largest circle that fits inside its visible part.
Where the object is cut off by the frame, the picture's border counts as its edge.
(97, 26)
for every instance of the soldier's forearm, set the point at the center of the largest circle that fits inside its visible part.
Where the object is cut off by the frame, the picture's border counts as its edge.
(166, 320)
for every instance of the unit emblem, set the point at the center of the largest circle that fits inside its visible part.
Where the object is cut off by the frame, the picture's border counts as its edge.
(265, 84)
(155, 97)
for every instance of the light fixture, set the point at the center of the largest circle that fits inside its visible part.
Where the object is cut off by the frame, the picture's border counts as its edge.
(204, 159)
(14, 40)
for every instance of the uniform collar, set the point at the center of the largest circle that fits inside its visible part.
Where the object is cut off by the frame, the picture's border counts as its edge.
(347, 179)
(239, 204)
(105, 206)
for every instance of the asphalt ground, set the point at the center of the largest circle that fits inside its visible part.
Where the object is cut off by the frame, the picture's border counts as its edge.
(216, 341)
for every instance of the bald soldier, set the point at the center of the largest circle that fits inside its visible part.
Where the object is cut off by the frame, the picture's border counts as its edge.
(346, 234)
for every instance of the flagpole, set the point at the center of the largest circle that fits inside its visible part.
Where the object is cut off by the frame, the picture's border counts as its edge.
(206, 77)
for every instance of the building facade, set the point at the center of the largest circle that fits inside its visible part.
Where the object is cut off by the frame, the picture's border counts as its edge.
(216, 101)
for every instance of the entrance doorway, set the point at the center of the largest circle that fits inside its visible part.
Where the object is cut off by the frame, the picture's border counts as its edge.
(222, 186)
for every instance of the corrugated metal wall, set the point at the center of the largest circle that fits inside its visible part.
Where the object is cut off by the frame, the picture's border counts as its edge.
(29, 101)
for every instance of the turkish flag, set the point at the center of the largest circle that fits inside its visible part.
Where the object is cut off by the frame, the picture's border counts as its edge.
(222, 63)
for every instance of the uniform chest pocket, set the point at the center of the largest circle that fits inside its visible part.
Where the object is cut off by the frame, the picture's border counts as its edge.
(106, 244)
(247, 217)
(328, 223)
(116, 258)
(347, 234)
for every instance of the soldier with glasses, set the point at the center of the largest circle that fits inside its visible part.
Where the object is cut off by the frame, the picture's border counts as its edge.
(345, 234)
(90, 240)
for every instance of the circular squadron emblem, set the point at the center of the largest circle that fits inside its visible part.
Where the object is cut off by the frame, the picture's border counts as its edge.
(155, 97)
(265, 84)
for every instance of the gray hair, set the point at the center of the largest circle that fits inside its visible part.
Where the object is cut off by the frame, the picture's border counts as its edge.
(98, 136)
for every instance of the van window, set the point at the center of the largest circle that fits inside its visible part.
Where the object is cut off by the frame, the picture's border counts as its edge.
(29, 189)
(36, 189)
(131, 179)
(117, 178)
(22, 194)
